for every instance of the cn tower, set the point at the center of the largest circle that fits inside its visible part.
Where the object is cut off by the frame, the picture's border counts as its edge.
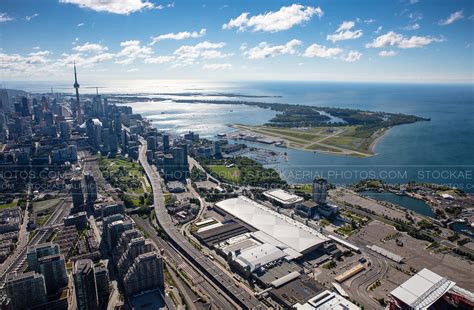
(76, 86)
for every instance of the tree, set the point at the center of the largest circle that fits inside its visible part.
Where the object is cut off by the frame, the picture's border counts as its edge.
(353, 224)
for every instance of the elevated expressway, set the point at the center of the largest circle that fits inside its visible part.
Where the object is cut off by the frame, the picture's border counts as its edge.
(202, 262)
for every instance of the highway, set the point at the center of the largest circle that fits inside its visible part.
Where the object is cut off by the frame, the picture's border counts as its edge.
(90, 165)
(173, 257)
(200, 261)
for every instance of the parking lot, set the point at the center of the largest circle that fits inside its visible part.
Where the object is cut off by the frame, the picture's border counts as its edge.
(416, 255)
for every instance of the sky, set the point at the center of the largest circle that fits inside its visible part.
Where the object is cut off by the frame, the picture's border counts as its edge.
(405, 41)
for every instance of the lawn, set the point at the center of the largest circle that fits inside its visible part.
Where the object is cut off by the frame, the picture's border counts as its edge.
(167, 198)
(306, 136)
(45, 205)
(231, 174)
(305, 188)
(124, 174)
(353, 139)
(41, 220)
(128, 176)
(9, 205)
(318, 147)
(346, 230)
(281, 136)
(244, 171)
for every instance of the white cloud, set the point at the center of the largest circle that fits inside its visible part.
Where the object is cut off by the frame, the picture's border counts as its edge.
(393, 39)
(321, 51)
(38, 57)
(195, 51)
(414, 1)
(316, 50)
(36, 48)
(352, 56)
(388, 53)
(344, 32)
(415, 26)
(38, 63)
(28, 18)
(264, 50)
(80, 24)
(189, 54)
(82, 60)
(159, 60)
(91, 48)
(225, 66)
(345, 35)
(14, 64)
(40, 53)
(113, 6)
(415, 16)
(132, 70)
(240, 22)
(178, 36)
(452, 18)
(379, 28)
(209, 45)
(213, 54)
(283, 19)
(131, 50)
(4, 17)
(346, 25)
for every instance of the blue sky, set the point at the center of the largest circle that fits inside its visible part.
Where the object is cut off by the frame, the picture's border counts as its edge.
(384, 41)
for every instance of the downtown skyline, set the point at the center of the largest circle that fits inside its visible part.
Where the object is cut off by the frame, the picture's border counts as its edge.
(400, 41)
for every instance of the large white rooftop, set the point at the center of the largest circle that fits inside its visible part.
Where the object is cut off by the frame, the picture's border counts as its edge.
(327, 300)
(291, 233)
(283, 197)
(260, 255)
(423, 289)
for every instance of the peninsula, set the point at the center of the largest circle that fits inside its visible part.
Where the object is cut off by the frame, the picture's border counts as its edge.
(338, 131)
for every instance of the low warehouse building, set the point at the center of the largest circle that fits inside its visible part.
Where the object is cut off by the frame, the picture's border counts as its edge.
(283, 198)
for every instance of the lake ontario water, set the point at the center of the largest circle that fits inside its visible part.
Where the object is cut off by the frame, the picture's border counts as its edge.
(440, 150)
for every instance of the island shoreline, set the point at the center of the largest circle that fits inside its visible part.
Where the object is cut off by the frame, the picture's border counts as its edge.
(290, 144)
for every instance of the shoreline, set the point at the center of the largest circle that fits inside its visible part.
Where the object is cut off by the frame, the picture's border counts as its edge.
(374, 143)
